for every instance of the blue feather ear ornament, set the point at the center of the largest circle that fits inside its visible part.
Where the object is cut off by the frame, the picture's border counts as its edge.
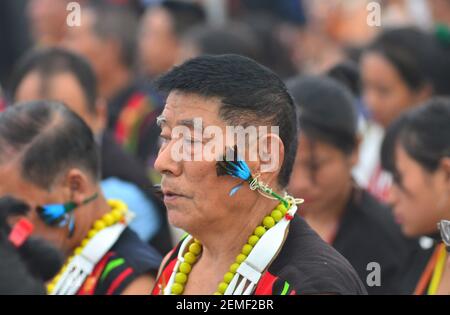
(238, 168)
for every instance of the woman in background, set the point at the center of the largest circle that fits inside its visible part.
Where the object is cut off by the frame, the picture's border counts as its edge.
(400, 69)
(417, 152)
(346, 216)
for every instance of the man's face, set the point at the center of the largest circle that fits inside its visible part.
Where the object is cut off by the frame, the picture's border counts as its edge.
(62, 87)
(194, 195)
(34, 196)
(48, 19)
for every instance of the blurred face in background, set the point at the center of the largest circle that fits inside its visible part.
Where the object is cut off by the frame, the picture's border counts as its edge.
(321, 175)
(385, 92)
(83, 40)
(158, 44)
(420, 198)
(47, 20)
(440, 10)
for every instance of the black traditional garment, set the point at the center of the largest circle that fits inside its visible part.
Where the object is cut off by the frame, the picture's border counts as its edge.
(128, 259)
(305, 265)
(367, 233)
(132, 117)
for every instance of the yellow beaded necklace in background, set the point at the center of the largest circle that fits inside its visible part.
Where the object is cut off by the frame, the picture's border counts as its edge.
(195, 249)
(117, 214)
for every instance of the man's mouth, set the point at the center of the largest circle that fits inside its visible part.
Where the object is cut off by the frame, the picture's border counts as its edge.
(171, 195)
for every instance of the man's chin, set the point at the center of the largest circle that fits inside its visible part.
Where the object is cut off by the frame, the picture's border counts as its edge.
(176, 217)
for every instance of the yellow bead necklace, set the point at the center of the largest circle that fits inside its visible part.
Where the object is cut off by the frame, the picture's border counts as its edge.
(195, 248)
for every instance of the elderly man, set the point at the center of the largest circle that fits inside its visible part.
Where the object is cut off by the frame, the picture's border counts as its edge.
(244, 234)
(49, 159)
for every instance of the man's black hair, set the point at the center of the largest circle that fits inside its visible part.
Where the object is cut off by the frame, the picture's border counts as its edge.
(250, 94)
(326, 111)
(49, 62)
(48, 139)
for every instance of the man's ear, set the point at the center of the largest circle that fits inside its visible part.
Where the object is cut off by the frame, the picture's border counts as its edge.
(270, 156)
(76, 185)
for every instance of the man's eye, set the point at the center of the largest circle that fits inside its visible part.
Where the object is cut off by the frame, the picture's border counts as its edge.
(163, 139)
(191, 141)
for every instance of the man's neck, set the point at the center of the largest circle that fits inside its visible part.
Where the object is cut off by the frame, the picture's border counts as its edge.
(222, 243)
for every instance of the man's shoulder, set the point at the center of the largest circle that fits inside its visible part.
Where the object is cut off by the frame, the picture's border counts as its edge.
(128, 259)
(138, 254)
(312, 266)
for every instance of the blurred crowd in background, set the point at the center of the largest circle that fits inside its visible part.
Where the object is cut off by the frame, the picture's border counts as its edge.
(328, 52)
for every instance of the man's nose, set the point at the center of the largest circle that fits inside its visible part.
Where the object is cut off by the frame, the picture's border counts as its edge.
(165, 163)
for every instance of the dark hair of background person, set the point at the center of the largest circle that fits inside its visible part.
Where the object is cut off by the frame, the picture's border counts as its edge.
(424, 133)
(14, 35)
(417, 56)
(250, 94)
(273, 54)
(137, 6)
(347, 73)
(50, 139)
(388, 146)
(48, 62)
(326, 111)
(184, 14)
(24, 270)
(289, 11)
(237, 38)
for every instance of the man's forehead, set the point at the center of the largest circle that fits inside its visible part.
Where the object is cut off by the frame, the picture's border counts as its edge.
(183, 108)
